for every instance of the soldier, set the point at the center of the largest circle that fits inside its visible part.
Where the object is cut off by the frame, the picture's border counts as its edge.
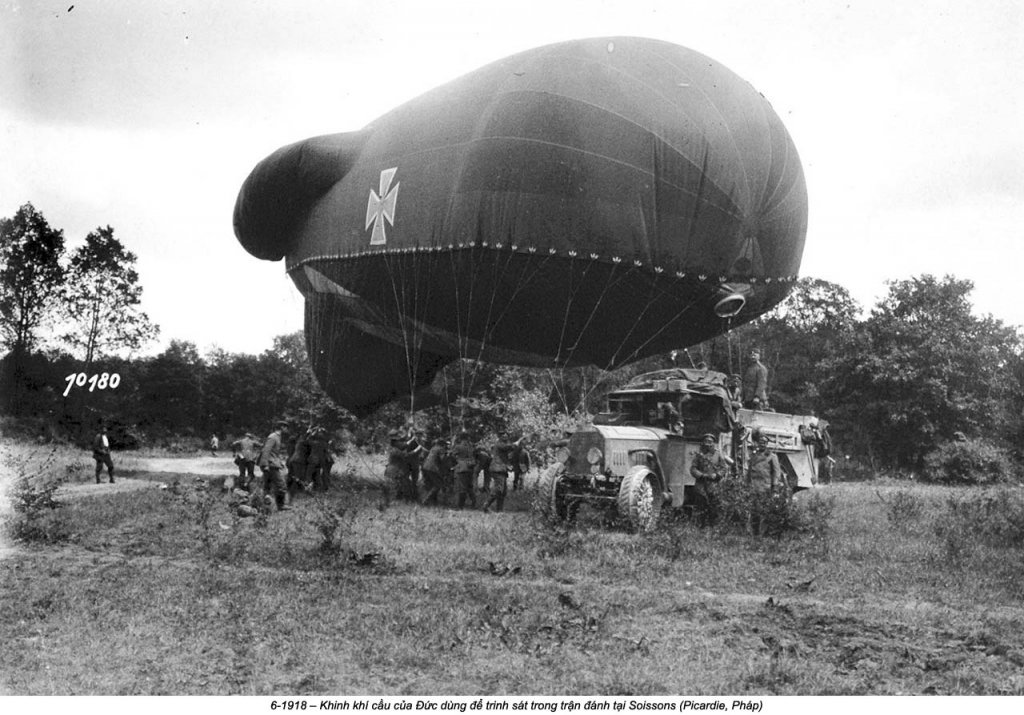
(520, 465)
(821, 445)
(708, 467)
(483, 467)
(501, 459)
(755, 383)
(297, 461)
(464, 455)
(397, 474)
(214, 445)
(318, 466)
(272, 463)
(434, 469)
(101, 453)
(734, 385)
(247, 451)
(764, 478)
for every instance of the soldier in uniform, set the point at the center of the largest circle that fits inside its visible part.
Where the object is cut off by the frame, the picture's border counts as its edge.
(318, 464)
(101, 453)
(272, 463)
(755, 383)
(398, 473)
(821, 446)
(501, 462)
(247, 451)
(764, 478)
(464, 455)
(520, 465)
(708, 468)
(434, 469)
(297, 461)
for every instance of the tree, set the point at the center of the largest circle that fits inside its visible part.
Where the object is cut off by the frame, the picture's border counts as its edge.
(923, 367)
(797, 339)
(31, 278)
(172, 390)
(102, 298)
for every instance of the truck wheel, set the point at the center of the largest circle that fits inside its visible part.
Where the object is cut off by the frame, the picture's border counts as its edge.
(639, 500)
(548, 500)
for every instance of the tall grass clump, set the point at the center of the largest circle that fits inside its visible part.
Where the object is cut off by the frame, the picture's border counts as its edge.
(968, 462)
(772, 513)
(33, 500)
(994, 519)
(902, 508)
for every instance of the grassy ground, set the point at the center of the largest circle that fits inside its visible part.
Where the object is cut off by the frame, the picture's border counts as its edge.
(153, 591)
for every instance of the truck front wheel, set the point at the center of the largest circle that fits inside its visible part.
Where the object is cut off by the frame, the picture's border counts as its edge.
(640, 500)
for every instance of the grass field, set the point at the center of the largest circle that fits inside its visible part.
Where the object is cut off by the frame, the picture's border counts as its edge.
(901, 589)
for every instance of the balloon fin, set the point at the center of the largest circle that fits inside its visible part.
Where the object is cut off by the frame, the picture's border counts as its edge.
(282, 187)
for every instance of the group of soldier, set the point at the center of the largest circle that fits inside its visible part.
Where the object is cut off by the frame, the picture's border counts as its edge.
(304, 464)
(450, 472)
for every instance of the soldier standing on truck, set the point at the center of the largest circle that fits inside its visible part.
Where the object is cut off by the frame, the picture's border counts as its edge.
(708, 468)
(764, 478)
(755, 383)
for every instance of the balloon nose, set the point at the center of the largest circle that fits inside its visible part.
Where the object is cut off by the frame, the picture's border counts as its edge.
(731, 299)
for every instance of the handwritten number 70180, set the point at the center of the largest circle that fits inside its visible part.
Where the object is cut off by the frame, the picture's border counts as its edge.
(96, 382)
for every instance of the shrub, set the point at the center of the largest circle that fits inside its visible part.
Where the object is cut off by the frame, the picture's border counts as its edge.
(34, 501)
(968, 462)
(902, 508)
(777, 512)
(994, 518)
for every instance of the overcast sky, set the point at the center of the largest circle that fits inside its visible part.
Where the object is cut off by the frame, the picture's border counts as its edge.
(147, 116)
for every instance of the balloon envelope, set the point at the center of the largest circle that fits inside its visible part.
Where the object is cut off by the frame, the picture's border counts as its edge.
(589, 202)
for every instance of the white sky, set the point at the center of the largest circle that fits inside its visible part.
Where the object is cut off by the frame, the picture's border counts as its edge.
(147, 116)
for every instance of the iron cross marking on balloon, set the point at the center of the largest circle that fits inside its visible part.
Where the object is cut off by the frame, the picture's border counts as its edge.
(381, 207)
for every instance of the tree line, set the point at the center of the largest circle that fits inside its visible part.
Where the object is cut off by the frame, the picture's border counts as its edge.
(896, 382)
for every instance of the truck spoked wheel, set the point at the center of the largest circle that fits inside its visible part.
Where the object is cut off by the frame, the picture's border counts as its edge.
(638, 502)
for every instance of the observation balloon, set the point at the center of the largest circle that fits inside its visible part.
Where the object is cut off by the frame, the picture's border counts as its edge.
(590, 202)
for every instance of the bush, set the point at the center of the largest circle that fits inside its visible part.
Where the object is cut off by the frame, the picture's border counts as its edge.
(969, 462)
(776, 512)
(34, 502)
(994, 518)
(902, 508)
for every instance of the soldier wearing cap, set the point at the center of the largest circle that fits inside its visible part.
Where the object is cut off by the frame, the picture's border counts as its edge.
(464, 455)
(708, 467)
(755, 383)
(501, 462)
(398, 473)
(318, 469)
(247, 451)
(764, 477)
(101, 453)
(435, 467)
(272, 463)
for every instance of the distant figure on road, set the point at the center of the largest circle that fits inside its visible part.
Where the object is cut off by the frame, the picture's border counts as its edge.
(214, 445)
(101, 453)
(755, 383)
